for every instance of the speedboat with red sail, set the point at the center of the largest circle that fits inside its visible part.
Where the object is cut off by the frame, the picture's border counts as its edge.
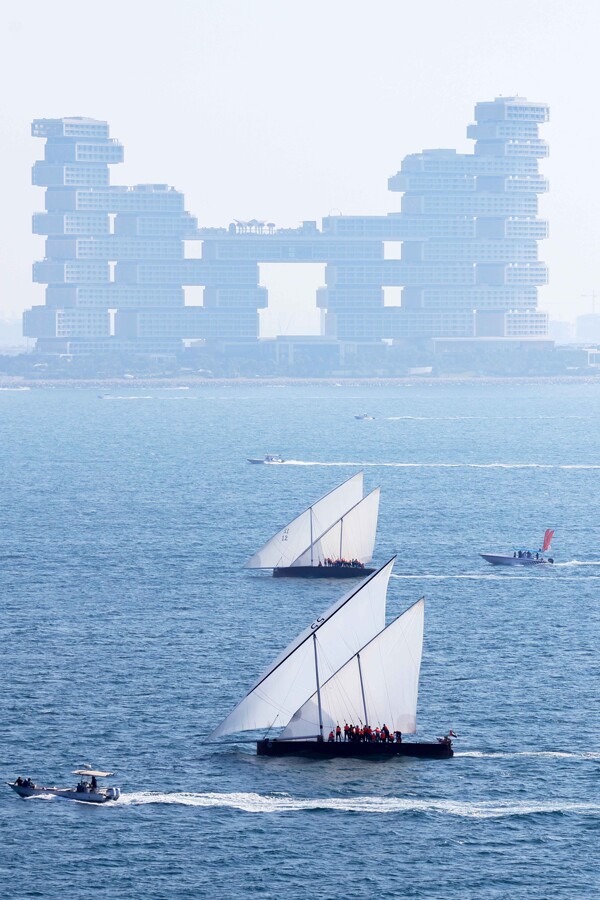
(522, 556)
(348, 668)
(333, 538)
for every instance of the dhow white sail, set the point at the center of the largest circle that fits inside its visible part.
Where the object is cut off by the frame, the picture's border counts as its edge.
(312, 658)
(351, 537)
(378, 685)
(296, 538)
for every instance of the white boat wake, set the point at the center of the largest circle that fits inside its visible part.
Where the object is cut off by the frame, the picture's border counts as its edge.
(283, 803)
(457, 465)
(476, 418)
(542, 754)
(521, 576)
(474, 577)
(578, 562)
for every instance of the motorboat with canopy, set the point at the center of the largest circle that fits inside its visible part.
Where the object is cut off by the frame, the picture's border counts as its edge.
(333, 538)
(86, 791)
(348, 666)
(523, 556)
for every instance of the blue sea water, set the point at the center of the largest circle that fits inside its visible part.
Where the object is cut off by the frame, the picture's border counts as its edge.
(129, 628)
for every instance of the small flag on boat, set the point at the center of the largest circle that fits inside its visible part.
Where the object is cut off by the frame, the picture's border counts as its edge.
(547, 539)
(452, 734)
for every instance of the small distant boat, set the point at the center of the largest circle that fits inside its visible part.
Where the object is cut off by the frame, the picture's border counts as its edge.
(365, 417)
(333, 538)
(269, 458)
(347, 667)
(522, 556)
(86, 791)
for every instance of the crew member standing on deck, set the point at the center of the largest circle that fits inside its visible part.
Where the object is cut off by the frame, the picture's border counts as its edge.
(338, 733)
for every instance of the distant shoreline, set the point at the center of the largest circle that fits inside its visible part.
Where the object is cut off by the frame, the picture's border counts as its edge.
(14, 382)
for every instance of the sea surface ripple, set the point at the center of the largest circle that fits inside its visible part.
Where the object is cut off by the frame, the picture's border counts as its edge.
(130, 628)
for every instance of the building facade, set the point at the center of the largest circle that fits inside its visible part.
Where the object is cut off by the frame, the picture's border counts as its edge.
(469, 232)
(462, 252)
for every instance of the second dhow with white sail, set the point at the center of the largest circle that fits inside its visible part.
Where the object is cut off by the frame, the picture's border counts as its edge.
(333, 538)
(346, 667)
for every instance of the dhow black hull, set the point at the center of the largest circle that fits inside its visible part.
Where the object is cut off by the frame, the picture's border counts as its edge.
(353, 749)
(322, 572)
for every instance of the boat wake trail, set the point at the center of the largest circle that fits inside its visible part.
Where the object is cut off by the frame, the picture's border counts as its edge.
(283, 803)
(425, 465)
(482, 577)
(474, 418)
(521, 576)
(542, 754)
(578, 562)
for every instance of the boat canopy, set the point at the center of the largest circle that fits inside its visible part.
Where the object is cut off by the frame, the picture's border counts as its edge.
(95, 772)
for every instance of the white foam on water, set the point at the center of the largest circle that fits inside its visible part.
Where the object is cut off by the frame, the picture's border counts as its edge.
(132, 397)
(477, 418)
(523, 575)
(424, 465)
(482, 577)
(283, 803)
(579, 562)
(542, 754)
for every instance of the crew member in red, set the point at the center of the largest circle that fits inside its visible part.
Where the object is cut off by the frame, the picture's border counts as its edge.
(338, 733)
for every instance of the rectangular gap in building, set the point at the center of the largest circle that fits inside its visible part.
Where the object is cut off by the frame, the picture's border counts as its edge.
(192, 249)
(194, 295)
(292, 308)
(392, 296)
(392, 249)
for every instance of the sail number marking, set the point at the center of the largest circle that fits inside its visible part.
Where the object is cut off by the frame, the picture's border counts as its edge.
(284, 536)
(316, 624)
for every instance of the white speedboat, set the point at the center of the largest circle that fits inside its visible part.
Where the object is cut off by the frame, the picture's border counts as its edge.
(521, 556)
(365, 417)
(86, 791)
(269, 458)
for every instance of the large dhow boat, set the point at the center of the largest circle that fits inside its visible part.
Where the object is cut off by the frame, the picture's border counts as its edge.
(333, 538)
(346, 687)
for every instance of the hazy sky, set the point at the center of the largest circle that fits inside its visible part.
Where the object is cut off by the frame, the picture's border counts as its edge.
(288, 109)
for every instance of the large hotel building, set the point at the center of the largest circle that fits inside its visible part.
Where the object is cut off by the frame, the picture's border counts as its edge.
(461, 254)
